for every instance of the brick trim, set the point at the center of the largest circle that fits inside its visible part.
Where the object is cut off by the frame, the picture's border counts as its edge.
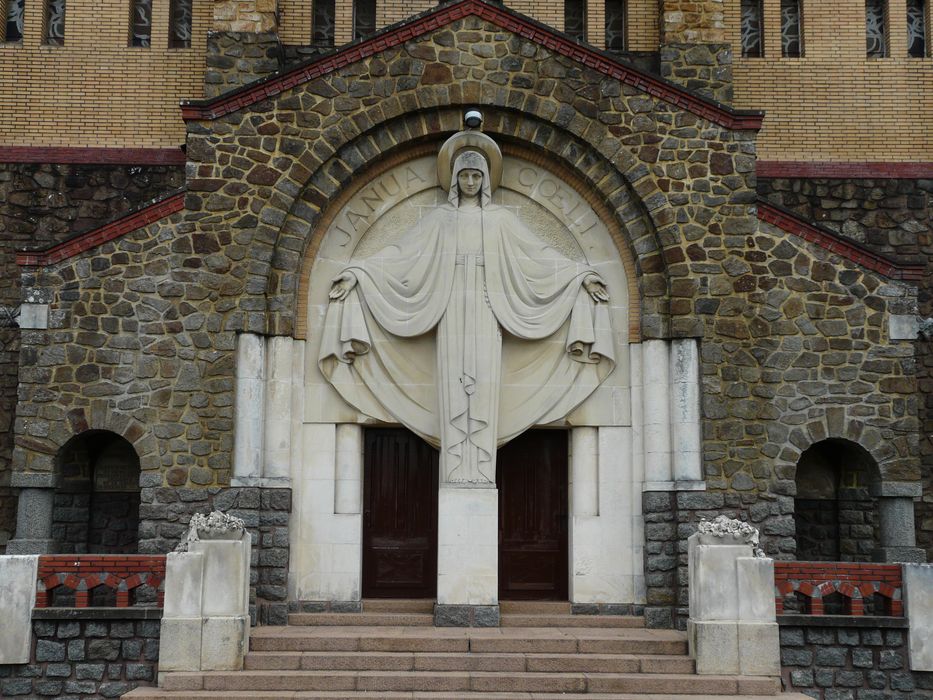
(503, 17)
(92, 156)
(788, 221)
(855, 581)
(160, 209)
(856, 170)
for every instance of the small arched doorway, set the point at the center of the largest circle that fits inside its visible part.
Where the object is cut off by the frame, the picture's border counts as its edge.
(96, 506)
(834, 511)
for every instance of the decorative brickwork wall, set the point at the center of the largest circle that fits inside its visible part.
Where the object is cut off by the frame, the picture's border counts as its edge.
(866, 589)
(849, 658)
(100, 654)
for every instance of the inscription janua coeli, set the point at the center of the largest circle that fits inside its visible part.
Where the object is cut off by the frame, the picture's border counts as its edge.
(373, 199)
(578, 216)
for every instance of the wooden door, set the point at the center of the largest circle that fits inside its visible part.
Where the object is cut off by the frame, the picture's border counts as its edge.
(531, 473)
(400, 515)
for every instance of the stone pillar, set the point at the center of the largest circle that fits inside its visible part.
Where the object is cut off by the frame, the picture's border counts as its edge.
(250, 404)
(896, 519)
(694, 48)
(467, 557)
(732, 627)
(243, 45)
(34, 513)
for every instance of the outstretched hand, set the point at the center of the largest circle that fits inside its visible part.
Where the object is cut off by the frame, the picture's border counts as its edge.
(342, 286)
(596, 289)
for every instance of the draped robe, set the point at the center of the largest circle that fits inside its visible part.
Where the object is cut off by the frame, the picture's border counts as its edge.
(466, 275)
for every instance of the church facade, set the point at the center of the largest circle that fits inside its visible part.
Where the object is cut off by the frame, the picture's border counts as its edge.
(532, 392)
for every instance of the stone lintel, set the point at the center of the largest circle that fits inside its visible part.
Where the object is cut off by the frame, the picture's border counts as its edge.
(34, 480)
(466, 615)
(897, 489)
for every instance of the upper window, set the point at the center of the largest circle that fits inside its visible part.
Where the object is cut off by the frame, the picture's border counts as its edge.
(876, 36)
(575, 19)
(364, 19)
(615, 25)
(179, 31)
(13, 31)
(322, 23)
(752, 29)
(791, 43)
(55, 22)
(141, 23)
(916, 28)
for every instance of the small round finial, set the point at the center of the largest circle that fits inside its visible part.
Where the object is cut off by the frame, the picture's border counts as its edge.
(473, 119)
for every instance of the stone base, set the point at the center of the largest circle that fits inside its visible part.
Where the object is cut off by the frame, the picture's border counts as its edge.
(466, 615)
(21, 546)
(606, 609)
(324, 606)
(735, 648)
(911, 555)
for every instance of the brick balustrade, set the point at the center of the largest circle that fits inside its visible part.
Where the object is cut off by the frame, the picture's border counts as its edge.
(83, 572)
(856, 582)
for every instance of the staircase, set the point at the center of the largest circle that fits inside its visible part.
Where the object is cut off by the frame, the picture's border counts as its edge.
(392, 650)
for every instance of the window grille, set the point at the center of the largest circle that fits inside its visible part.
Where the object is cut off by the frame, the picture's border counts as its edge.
(141, 23)
(14, 20)
(876, 39)
(179, 34)
(364, 19)
(615, 25)
(916, 28)
(791, 44)
(55, 22)
(575, 19)
(751, 29)
(322, 23)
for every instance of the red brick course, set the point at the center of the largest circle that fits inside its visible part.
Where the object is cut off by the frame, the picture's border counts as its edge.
(92, 156)
(857, 170)
(856, 581)
(83, 572)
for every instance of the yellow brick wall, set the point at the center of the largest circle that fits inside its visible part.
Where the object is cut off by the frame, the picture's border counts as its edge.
(834, 103)
(94, 90)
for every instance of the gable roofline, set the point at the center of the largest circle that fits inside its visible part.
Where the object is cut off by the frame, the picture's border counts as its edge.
(171, 203)
(436, 18)
(789, 221)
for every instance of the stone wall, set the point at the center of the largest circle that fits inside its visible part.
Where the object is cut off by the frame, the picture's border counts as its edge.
(42, 205)
(87, 655)
(704, 68)
(849, 659)
(893, 217)
(166, 511)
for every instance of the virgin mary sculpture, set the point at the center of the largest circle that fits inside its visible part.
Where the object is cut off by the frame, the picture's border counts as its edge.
(468, 272)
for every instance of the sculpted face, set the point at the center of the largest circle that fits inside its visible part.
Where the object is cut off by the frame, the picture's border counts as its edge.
(470, 182)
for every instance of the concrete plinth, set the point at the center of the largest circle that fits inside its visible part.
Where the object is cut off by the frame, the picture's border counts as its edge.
(17, 599)
(468, 546)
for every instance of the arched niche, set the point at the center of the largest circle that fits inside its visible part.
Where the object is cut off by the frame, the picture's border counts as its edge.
(96, 504)
(834, 512)
(545, 197)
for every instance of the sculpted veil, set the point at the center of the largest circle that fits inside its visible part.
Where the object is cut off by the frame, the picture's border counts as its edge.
(468, 272)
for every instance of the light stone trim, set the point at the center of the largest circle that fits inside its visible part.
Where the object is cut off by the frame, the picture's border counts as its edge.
(584, 471)
(657, 417)
(900, 326)
(686, 442)
(918, 607)
(17, 599)
(249, 408)
(468, 546)
(33, 317)
(277, 435)
(348, 472)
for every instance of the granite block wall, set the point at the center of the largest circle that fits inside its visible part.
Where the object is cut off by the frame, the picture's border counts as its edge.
(75, 657)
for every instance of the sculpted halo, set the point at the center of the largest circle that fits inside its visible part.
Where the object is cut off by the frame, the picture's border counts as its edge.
(469, 141)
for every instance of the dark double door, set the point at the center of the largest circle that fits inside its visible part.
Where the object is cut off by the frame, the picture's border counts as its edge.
(400, 482)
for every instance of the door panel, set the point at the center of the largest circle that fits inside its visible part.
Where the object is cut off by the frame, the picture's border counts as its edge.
(531, 474)
(399, 516)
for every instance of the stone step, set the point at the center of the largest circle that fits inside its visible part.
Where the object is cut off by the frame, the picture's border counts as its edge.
(405, 695)
(401, 661)
(363, 619)
(486, 682)
(534, 607)
(520, 640)
(424, 606)
(546, 620)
